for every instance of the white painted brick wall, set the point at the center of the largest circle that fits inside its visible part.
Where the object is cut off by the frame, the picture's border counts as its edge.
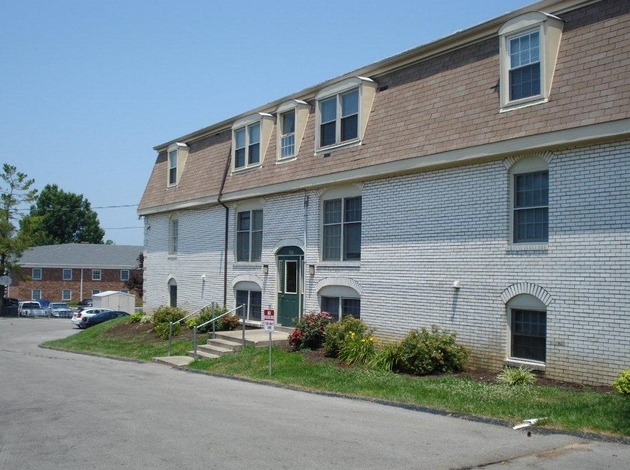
(422, 232)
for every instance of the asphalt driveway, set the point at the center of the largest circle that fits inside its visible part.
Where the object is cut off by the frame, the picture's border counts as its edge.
(61, 410)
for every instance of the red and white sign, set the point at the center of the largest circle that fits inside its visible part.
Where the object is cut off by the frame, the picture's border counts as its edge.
(269, 320)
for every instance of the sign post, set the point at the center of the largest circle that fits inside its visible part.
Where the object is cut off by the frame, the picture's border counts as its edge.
(269, 324)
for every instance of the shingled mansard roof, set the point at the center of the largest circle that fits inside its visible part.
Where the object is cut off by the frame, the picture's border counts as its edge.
(82, 255)
(435, 106)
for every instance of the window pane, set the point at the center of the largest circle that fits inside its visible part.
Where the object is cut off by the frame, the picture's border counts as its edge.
(349, 128)
(254, 154)
(255, 303)
(524, 73)
(172, 167)
(330, 305)
(352, 209)
(350, 103)
(239, 138)
(257, 220)
(288, 145)
(529, 334)
(332, 242)
(256, 245)
(351, 307)
(239, 158)
(352, 242)
(531, 200)
(328, 134)
(328, 109)
(242, 246)
(288, 122)
(242, 297)
(332, 211)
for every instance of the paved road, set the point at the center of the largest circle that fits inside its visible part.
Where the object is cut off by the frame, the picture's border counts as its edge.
(69, 411)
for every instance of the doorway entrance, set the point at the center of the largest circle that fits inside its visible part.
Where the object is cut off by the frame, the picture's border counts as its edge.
(290, 261)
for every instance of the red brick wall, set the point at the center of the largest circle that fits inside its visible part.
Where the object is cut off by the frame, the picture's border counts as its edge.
(52, 283)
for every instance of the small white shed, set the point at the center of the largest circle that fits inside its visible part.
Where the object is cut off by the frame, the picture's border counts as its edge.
(115, 300)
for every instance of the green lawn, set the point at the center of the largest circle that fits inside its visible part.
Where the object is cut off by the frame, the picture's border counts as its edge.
(583, 411)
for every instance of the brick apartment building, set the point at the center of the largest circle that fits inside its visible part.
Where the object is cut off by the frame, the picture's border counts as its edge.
(479, 182)
(74, 272)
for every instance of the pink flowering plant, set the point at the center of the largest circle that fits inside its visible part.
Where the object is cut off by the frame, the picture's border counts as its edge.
(310, 331)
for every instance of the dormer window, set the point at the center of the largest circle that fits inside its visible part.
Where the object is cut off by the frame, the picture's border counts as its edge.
(529, 47)
(292, 119)
(342, 113)
(250, 138)
(177, 154)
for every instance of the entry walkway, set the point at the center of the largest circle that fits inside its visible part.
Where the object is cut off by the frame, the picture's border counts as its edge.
(253, 337)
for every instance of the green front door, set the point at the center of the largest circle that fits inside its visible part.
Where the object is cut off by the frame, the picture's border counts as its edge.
(289, 285)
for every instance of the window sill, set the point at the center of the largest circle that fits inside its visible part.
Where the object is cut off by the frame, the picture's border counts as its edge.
(335, 147)
(281, 160)
(528, 247)
(524, 103)
(532, 365)
(339, 264)
(246, 169)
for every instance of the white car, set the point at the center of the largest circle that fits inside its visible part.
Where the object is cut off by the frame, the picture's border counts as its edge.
(59, 309)
(77, 316)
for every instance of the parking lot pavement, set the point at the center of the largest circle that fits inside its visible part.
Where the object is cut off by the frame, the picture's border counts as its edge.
(74, 411)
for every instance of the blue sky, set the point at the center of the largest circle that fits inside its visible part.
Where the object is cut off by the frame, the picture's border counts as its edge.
(88, 88)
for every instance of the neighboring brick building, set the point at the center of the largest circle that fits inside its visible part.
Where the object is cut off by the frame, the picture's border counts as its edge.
(73, 272)
(479, 183)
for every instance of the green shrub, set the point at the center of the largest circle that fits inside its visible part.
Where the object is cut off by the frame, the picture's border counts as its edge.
(424, 352)
(168, 314)
(516, 376)
(622, 383)
(357, 349)
(136, 317)
(146, 319)
(162, 329)
(386, 353)
(336, 333)
(310, 331)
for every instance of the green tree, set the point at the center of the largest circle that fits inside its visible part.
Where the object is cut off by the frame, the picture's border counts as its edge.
(59, 217)
(15, 190)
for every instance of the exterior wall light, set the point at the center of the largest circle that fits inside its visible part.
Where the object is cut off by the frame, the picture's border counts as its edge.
(265, 269)
(311, 269)
(456, 285)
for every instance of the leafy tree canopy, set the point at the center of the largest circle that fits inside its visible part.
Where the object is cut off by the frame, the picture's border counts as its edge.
(15, 191)
(60, 217)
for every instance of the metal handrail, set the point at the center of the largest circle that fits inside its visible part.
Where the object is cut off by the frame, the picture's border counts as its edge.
(213, 321)
(171, 323)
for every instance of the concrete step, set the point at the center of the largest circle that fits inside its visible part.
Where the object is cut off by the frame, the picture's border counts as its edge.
(202, 354)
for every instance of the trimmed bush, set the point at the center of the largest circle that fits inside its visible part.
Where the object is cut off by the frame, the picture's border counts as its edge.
(205, 315)
(162, 329)
(424, 352)
(310, 331)
(136, 317)
(622, 383)
(516, 376)
(386, 353)
(168, 314)
(336, 333)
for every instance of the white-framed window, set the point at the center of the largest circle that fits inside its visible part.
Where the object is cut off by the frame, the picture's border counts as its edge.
(292, 119)
(249, 233)
(67, 275)
(342, 113)
(252, 299)
(527, 322)
(529, 201)
(173, 235)
(250, 138)
(96, 274)
(529, 47)
(340, 301)
(36, 274)
(287, 134)
(124, 274)
(341, 229)
(177, 154)
(66, 294)
(36, 294)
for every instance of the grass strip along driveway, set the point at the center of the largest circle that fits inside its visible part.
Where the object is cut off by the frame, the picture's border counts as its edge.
(585, 409)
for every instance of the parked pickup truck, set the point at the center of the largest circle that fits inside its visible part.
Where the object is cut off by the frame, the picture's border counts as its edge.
(32, 309)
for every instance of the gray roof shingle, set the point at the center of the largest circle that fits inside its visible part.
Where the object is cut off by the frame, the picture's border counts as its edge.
(77, 255)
